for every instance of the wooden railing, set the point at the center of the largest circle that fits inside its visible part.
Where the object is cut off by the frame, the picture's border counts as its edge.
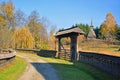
(107, 63)
(6, 56)
(32, 50)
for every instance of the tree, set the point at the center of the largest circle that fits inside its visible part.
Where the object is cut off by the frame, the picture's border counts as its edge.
(7, 24)
(84, 27)
(7, 10)
(24, 32)
(38, 30)
(111, 23)
(34, 27)
(97, 32)
(4, 32)
(23, 38)
(108, 27)
(52, 44)
(118, 34)
(104, 30)
(20, 18)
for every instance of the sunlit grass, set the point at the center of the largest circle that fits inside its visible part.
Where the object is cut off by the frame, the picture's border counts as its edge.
(100, 47)
(13, 70)
(77, 71)
(74, 71)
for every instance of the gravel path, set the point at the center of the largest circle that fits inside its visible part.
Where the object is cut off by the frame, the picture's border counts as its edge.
(38, 69)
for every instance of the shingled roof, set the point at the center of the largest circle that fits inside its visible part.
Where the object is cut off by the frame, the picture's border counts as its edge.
(70, 30)
(91, 34)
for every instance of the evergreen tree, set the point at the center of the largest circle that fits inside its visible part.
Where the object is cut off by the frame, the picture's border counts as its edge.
(84, 27)
(118, 34)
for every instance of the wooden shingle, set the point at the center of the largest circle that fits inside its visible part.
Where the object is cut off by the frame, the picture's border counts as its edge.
(70, 30)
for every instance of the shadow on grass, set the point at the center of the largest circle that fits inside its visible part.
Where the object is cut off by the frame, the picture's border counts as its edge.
(46, 70)
(77, 71)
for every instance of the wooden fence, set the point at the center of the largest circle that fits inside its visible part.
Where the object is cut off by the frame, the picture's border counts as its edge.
(6, 56)
(107, 63)
(44, 53)
(110, 64)
(65, 54)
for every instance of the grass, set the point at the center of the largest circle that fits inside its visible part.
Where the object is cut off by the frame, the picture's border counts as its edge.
(13, 70)
(100, 47)
(77, 71)
(81, 71)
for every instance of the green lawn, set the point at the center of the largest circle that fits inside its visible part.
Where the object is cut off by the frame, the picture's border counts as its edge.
(13, 70)
(77, 71)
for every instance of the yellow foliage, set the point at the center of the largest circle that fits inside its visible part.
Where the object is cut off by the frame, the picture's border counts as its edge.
(104, 29)
(108, 27)
(52, 40)
(111, 23)
(7, 9)
(2, 21)
(23, 38)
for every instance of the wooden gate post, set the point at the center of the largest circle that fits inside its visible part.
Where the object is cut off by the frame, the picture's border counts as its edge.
(59, 47)
(73, 48)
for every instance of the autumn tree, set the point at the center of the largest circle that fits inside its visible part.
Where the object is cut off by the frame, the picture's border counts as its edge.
(104, 30)
(20, 18)
(3, 32)
(52, 39)
(38, 30)
(33, 35)
(6, 24)
(23, 38)
(7, 10)
(111, 23)
(108, 27)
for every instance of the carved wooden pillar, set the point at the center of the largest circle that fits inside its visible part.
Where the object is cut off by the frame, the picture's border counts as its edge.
(73, 48)
(59, 46)
(55, 43)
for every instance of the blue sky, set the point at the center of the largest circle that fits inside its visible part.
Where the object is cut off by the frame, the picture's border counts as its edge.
(65, 13)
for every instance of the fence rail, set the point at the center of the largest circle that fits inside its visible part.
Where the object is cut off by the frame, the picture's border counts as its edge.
(107, 63)
(33, 50)
(44, 53)
(6, 56)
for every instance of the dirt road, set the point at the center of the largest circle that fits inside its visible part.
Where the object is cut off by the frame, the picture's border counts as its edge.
(37, 69)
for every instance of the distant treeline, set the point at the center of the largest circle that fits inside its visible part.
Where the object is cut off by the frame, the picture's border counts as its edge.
(18, 30)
